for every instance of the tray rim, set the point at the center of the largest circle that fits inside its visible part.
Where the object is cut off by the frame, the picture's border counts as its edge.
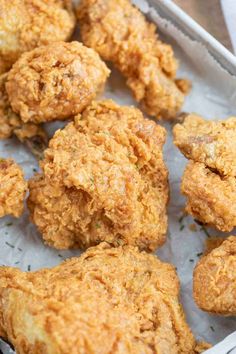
(172, 12)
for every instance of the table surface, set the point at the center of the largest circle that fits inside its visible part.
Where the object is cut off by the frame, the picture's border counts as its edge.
(209, 15)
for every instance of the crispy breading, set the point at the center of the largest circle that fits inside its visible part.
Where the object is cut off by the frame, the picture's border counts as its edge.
(55, 82)
(119, 32)
(214, 280)
(211, 198)
(109, 300)
(209, 179)
(103, 179)
(27, 24)
(32, 135)
(210, 142)
(12, 188)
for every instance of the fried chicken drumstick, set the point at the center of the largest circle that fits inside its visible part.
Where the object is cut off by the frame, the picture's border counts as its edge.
(209, 181)
(103, 179)
(214, 280)
(119, 32)
(12, 188)
(27, 24)
(109, 300)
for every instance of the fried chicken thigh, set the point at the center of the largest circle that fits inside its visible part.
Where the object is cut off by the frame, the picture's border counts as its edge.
(103, 179)
(12, 188)
(214, 281)
(27, 24)
(119, 32)
(55, 82)
(30, 134)
(109, 300)
(209, 181)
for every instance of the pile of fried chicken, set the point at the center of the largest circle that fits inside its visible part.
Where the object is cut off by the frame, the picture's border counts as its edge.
(103, 184)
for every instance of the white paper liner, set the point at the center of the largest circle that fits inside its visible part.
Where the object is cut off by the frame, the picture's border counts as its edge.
(213, 95)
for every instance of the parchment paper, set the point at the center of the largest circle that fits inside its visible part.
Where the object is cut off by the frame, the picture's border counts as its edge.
(213, 95)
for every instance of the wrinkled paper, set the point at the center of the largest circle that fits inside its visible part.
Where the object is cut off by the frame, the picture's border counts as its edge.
(213, 96)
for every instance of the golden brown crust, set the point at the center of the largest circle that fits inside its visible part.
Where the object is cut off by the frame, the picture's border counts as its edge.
(32, 135)
(104, 179)
(209, 179)
(55, 81)
(27, 24)
(214, 285)
(211, 198)
(119, 32)
(6, 114)
(210, 142)
(12, 188)
(109, 300)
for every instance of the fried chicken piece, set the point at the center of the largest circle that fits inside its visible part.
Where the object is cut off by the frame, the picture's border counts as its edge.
(32, 135)
(210, 142)
(209, 179)
(109, 300)
(12, 188)
(55, 81)
(119, 32)
(103, 179)
(211, 198)
(27, 24)
(214, 281)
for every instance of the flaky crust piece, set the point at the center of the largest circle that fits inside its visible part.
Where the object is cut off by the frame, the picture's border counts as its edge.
(55, 82)
(214, 280)
(119, 32)
(110, 300)
(103, 179)
(12, 188)
(209, 181)
(27, 24)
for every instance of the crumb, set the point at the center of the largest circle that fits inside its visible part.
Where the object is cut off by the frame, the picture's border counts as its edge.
(184, 85)
(120, 33)
(192, 227)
